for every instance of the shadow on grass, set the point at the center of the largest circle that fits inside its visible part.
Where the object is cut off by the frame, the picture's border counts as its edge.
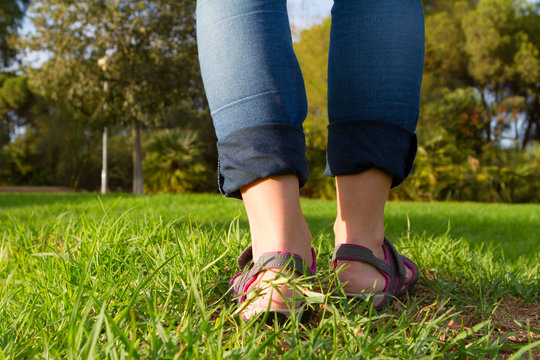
(513, 229)
(17, 200)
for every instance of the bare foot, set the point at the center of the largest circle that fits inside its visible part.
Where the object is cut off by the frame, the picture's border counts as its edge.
(269, 291)
(363, 278)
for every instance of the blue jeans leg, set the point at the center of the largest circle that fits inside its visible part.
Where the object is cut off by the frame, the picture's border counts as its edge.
(374, 76)
(257, 97)
(255, 90)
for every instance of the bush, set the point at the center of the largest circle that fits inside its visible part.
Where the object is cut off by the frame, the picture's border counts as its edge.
(174, 162)
(499, 175)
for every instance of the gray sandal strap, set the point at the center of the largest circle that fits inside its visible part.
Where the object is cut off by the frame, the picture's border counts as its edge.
(396, 271)
(267, 261)
(245, 257)
(397, 261)
(360, 253)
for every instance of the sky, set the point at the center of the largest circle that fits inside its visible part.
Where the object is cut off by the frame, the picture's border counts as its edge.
(304, 13)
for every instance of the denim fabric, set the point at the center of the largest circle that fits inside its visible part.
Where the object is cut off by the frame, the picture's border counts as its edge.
(256, 152)
(257, 96)
(374, 76)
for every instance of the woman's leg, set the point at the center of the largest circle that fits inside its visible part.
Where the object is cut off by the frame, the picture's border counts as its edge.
(275, 217)
(277, 224)
(360, 201)
(374, 75)
(255, 90)
(257, 99)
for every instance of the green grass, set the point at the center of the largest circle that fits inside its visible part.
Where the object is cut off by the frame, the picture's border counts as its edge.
(84, 276)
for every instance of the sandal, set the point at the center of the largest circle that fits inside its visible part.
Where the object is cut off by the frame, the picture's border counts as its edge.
(279, 260)
(392, 268)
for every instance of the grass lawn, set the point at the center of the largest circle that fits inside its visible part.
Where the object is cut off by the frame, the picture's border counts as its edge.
(119, 276)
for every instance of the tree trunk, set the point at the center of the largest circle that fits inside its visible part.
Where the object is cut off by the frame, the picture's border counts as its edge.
(138, 181)
(487, 125)
(532, 131)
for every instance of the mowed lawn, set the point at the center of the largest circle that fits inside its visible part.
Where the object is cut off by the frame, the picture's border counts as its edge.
(119, 276)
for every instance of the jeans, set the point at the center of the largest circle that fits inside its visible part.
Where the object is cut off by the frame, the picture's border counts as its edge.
(257, 97)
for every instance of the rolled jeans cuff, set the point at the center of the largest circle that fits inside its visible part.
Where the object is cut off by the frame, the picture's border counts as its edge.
(357, 146)
(257, 152)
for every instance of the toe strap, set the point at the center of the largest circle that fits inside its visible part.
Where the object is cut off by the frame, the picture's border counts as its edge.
(282, 260)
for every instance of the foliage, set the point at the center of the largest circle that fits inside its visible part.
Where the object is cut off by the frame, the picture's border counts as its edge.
(11, 15)
(312, 53)
(502, 42)
(174, 163)
(445, 56)
(120, 166)
(18, 105)
(499, 176)
(494, 47)
(21, 163)
(117, 61)
(59, 152)
(456, 162)
(438, 6)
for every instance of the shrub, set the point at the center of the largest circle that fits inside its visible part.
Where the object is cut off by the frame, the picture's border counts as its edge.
(174, 162)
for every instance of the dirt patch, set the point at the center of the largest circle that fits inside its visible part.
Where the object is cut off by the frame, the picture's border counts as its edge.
(511, 315)
(513, 311)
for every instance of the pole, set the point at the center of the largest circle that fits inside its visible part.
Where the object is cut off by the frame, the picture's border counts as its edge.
(104, 162)
(104, 175)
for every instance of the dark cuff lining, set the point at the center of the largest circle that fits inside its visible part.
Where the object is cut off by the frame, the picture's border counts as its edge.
(257, 152)
(357, 146)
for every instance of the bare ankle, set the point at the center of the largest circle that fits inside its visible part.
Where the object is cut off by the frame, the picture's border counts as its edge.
(297, 242)
(357, 234)
(360, 209)
(275, 217)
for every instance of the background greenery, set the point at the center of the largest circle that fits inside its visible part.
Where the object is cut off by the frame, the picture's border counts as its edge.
(132, 66)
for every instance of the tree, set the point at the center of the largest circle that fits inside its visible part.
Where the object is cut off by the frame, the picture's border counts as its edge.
(312, 53)
(438, 6)
(445, 58)
(492, 46)
(17, 102)
(117, 61)
(503, 47)
(11, 15)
